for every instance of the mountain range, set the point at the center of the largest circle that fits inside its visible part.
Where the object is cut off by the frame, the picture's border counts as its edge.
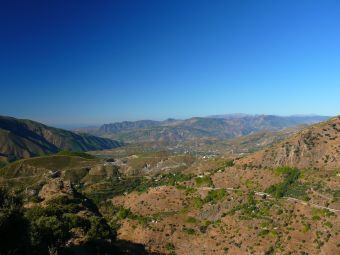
(219, 126)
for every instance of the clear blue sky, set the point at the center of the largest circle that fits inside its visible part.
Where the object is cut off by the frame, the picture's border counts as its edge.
(89, 62)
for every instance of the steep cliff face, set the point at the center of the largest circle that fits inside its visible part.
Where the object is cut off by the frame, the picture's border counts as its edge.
(317, 146)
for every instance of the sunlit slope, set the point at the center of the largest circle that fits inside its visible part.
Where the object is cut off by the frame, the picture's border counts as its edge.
(317, 146)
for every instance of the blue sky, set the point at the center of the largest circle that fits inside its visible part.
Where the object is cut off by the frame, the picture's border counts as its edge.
(90, 62)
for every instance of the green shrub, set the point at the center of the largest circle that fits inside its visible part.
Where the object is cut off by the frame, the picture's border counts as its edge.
(316, 217)
(290, 185)
(98, 230)
(141, 219)
(322, 212)
(264, 232)
(173, 179)
(169, 246)
(306, 227)
(252, 209)
(189, 231)
(47, 231)
(198, 202)
(229, 163)
(74, 220)
(203, 181)
(328, 224)
(123, 213)
(51, 226)
(14, 228)
(215, 195)
(336, 193)
(191, 220)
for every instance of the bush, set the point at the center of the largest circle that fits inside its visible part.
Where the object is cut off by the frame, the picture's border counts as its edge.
(328, 224)
(215, 195)
(123, 213)
(189, 231)
(252, 208)
(316, 218)
(169, 246)
(229, 163)
(51, 226)
(14, 236)
(191, 220)
(203, 181)
(48, 231)
(172, 179)
(98, 230)
(73, 221)
(306, 227)
(264, 232)
(336, 193)
(290, 185)
(198, 202)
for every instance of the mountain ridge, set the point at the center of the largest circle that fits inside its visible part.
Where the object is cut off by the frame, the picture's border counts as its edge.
(197, 127)
(22, 138)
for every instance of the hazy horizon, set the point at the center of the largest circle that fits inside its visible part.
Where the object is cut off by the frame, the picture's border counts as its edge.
(71, 126)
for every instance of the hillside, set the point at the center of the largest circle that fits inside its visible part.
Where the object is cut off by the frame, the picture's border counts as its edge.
(59, 220)
(25, 138)
(176, 203)
(219, 127)
(317, 146)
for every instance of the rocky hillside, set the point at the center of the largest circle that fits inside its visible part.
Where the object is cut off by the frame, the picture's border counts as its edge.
(234, 210)
(220, 127)
(25, 138)
(59, 221)
(173, 204)
(317, 146)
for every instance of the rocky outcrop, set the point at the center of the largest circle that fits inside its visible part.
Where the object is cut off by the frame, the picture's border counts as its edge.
(56, 187)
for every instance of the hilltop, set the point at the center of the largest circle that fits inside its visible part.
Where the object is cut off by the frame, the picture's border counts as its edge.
(21, 138)
(317, 146)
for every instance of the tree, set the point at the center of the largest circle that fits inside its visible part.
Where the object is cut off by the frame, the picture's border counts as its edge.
(14, 237)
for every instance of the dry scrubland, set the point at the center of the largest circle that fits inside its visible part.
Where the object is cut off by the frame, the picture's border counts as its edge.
(284, 199)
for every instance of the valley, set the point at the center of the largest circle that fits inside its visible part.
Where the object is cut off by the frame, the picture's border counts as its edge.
(166, 127)
(262, 193)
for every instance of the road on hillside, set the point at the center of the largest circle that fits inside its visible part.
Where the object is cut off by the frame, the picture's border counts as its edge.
(258, 193)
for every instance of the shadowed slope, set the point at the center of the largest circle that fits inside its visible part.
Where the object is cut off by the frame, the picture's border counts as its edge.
(26, 138)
